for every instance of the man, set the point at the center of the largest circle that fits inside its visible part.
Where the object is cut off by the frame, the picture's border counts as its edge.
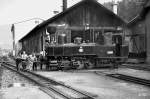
(34, 58)
(41, 60)
(24, 57)
(118, 49)
(18, 61)
(30, 61)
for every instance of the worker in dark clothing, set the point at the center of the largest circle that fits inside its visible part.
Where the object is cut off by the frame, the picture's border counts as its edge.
(118, 53)
(41, 61)
(118, 48)
(34, 61)
(18, 61)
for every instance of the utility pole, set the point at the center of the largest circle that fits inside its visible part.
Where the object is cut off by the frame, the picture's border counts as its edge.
(13, 36)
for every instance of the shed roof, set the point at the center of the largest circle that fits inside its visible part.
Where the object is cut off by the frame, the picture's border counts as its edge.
(50, 20)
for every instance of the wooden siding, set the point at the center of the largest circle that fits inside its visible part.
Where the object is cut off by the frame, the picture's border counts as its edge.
(33, 43)
(91, 14)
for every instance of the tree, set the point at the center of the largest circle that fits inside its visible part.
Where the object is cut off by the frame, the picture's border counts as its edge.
(127, 9)
(109, 5)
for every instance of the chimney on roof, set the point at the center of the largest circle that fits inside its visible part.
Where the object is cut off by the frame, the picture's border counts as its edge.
(64, 7)
(115, 6)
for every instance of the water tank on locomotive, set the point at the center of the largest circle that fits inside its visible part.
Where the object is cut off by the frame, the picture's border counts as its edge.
(62, 39)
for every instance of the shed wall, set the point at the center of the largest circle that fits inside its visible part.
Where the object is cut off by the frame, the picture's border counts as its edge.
(33, 44)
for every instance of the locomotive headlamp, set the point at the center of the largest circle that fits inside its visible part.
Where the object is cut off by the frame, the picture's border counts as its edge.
(110, 52)
(81, 49)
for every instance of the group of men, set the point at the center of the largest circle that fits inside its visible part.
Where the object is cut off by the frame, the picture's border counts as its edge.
(25, 61)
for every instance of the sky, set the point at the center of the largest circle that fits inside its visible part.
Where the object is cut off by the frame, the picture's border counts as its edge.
(14, 11)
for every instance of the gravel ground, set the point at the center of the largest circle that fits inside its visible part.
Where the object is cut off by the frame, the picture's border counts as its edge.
(29, 90)
(101, 86)
(7, 78)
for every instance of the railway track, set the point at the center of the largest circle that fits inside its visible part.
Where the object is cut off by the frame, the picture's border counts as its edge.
(56, 90)
(128, 78)
(131, 79)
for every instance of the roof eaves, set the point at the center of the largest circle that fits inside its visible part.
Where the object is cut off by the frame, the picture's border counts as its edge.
(49, 20)
(29, 33)
(62, 13)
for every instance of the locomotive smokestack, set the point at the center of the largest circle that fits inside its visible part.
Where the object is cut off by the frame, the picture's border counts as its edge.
(64, 7)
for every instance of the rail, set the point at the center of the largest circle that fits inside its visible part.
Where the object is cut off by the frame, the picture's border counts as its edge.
(52, 86)
(127, 78)
(136, 80)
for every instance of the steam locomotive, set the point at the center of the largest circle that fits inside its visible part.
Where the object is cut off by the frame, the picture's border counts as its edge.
(92, 47)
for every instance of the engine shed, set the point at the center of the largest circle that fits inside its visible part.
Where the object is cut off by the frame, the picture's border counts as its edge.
(86, 17)
(87, 31)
